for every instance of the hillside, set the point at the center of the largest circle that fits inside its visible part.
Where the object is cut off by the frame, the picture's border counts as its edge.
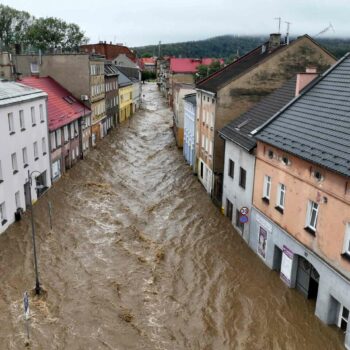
(226, 46)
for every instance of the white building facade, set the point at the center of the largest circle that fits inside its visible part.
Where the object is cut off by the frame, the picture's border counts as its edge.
(189, 146)
(24, 149)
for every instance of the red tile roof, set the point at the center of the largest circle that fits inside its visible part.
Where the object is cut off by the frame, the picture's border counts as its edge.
(189, 65)
(110, 51)
(61, 111)
(148, 60)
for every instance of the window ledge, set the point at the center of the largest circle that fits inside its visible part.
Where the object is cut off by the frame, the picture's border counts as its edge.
(12, 132)
(23, 129)
(42, 121)
(266, 200)
(33, 124)
(44, 154)
(240, 185)
(25, 166)
(281, 210)
(1, 181)
(35, 159)
(346, 256)
(15, 172)
(3, 222)
(310, 230)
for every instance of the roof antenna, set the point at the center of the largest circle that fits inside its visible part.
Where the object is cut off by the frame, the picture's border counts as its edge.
(279, 19)
(287, 34)
(330, 27)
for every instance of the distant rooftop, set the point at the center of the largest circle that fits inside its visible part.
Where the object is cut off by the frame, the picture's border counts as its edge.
(189, 65)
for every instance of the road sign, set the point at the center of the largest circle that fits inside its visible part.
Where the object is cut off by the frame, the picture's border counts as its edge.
(244, 211)
(243, 219)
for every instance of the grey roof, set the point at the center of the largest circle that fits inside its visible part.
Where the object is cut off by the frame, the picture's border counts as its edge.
(12, 92)
(123, 80)
(111, 70)
(191, 98)
(130, 72)
(316, 126)
(238, 131)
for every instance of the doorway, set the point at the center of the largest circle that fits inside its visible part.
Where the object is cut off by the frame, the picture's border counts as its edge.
(307, 279)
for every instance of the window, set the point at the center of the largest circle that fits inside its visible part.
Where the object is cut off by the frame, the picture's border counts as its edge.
(58, 138)
(53, 140)
(73, 153)
(72, 130)
(17, 200)
(36, 151)
(229, 209)
(311, 218)
(14, 163)
(231, 168)
(43, 144)
(21, 120)
(239, 225)
(242, 177)
(2, 214)
(1, 178)
(32, 113)
(267, 187)
(41, 112)
(346, 249)
(25, 157)
(270, 154)
(211, 148)
(11, 123)
(65, 134)
(343, 318)
(281, 195)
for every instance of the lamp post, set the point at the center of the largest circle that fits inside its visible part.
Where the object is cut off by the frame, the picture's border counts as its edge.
(37, 283)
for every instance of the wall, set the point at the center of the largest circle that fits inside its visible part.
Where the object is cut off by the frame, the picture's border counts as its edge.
(10, 144)
(332, 194)
(125, 102)
(189, 148)
(232, 191)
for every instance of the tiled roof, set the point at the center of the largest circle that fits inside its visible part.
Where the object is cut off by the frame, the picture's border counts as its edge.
(148, 60)
(129, 72)
(316, 126)
(189, 65)
(111, 70)
(110, 51)
(63, 108)
(238, 131)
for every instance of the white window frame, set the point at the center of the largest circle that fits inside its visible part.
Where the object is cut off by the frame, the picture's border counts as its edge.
(18, 199)
(43, 144)
(25, 156)
(53, 140)
(22, 123)
(32, 113)
(14, 162)
(341, 317)
(1, 176)
(2, 212)
(346, 246)
(281, 191)
(41, 112)
(11, 123)
(36, 150)
(58, 138)
(65, 133)
(312, 206)
(267, 187)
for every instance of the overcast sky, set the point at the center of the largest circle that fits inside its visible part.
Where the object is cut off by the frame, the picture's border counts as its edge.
(142, 22)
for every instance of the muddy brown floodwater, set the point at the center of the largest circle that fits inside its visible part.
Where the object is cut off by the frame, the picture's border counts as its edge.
(140, 258)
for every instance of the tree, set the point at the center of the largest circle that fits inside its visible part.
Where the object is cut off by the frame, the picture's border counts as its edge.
(202, 71)
(146, 55)
(214, 67)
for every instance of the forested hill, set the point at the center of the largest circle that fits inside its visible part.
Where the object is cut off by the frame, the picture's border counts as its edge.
(226, 46)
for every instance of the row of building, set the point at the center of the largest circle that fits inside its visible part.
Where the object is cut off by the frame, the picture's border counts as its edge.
(53, 109)
(269, 139)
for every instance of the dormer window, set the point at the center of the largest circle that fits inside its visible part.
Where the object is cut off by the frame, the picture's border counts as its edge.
(270, 154)
(318, 175)
(285, 160)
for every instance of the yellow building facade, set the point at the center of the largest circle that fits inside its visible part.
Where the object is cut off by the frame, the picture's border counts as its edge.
(125, 102)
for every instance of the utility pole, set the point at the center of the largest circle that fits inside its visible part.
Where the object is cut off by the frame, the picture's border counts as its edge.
(279, 19)
(159, 46)
(287, 35)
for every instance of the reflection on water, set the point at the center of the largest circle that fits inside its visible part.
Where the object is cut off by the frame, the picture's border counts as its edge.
(139, 258)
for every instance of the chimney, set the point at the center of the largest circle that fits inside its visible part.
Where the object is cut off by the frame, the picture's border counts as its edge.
(275, 41)
(304, 79)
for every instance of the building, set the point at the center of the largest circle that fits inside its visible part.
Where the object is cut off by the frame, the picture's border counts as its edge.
(24, 149)
(111, 89)
(134, 75)
(125, 88)
(180, 90)
(240, 149)
(189, 146)
(163, 67)
(183, 70)
(300, 222)
(148, 64)
(69, 125)
(231, 91)
(109, 51)
(81, 74)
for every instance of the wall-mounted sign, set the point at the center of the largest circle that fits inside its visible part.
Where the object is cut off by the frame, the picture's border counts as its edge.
(262, 242)
(287, 265)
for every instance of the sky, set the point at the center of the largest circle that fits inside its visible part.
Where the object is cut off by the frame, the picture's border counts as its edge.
(143, 22)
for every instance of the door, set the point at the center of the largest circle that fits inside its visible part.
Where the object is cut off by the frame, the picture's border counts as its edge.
(307, 279)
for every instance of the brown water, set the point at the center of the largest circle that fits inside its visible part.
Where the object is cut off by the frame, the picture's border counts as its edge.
(139, 258)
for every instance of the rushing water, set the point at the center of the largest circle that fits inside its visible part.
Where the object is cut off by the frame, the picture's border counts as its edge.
(140, 258)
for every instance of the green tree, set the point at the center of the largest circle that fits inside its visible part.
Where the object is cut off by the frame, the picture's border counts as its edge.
(146, 55)
(202, 71)
(214, 67)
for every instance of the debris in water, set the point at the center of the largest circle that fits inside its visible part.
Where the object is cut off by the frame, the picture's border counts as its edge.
(126, 316)
(160, 255)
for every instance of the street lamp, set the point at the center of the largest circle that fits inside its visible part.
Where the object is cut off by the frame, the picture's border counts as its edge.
(37, 283)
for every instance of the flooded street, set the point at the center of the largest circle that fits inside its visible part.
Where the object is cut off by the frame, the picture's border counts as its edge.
(140, 258)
